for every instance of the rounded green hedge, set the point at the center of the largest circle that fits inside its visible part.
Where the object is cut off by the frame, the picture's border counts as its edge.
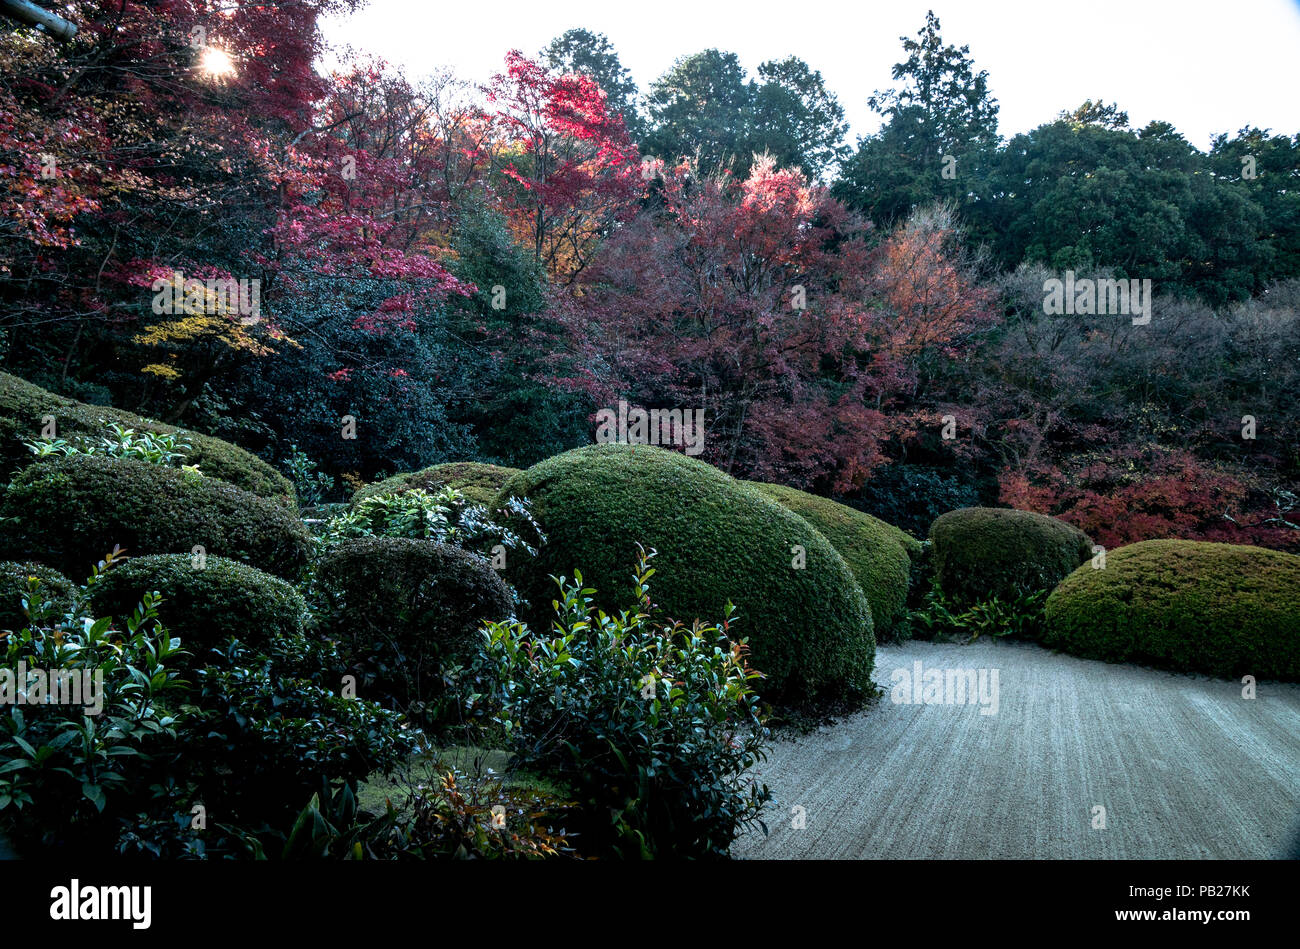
(55, 588)
(809, 630)
(408, 608)
(1223, 609)
(23, 407)
(983, 552)
(70, 511)
(205, 600)
(876, 552)
(479, 482)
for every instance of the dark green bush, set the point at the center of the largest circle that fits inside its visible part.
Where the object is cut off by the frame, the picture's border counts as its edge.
(810, 629)
(273, 723)
(57, 792)
(407, 611)
(249, 734)
(912, 496)
(479, 482)
(55, 588)
(68, 512)
(983, 552)
(879, 554)
(655, 726)
(23, 407)
(1223, 609)
(205, 600)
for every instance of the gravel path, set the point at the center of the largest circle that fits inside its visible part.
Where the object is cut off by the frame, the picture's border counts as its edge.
(1184, 766)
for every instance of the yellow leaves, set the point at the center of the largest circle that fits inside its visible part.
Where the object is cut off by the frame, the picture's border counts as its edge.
(197, 327)
(184, 330)
(196, 312)
(162, 370)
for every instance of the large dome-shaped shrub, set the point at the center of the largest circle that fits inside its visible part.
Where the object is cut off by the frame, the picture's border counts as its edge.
(205, 601)
(408, 609)
(982, 552)
(55, 588)
(479, 482)
(24, 406)
(1224, 609)
(809, 629)
(878, 553)
(69, 512)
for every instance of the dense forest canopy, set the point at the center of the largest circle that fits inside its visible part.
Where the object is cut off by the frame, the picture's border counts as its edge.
(474, 272)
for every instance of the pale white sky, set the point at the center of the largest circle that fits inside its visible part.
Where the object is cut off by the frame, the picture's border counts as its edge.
(1204, 65)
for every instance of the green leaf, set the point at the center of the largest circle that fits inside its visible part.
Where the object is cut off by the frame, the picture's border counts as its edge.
(95, 794)
(22, 743)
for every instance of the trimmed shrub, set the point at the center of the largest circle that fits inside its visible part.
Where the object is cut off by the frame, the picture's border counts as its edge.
(55, 588)
(915, 549)
(477, 481)
(204, 606)
(983, 552)
(1223, 609)
(23, 406)
(809, 630)
(879, 554)
(405, 610)
(68, 512)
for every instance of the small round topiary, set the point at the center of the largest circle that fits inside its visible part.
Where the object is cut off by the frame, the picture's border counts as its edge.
(479, 482)
(982, 552)
(205, 600)
(70, 511)
(410, 607)
(807, 621)
(876, 552)
(55, 588)
(1223, 609)
(24, 408)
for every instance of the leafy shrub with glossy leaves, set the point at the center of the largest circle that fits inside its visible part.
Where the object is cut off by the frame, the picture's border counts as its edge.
(653, 725)
(273, 723)
(72, 776)
(118, 441)
(248, 733)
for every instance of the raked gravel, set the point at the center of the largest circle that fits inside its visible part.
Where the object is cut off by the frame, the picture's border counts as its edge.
(1184, 766)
